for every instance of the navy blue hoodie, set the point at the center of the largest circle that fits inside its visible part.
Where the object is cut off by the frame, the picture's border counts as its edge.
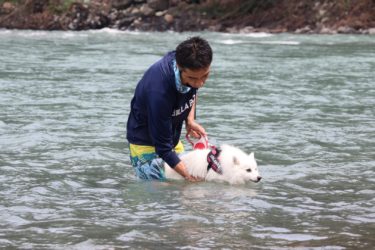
(158, 110)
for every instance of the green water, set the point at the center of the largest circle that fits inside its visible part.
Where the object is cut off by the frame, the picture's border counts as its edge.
(304, 104)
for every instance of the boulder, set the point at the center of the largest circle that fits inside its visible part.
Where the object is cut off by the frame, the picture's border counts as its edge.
(173, 3)
(304, 30)
(146, 10)
(124, 23)
(371, 31)
(160, 13)
(345, 30)
(113, 15)
(121, 4)
(215, 28)
(7, 8)
(327, 30)
(168, 18)
(158, 4)
(135, 12)
(97, 21)
(136, 24)
(247, 29)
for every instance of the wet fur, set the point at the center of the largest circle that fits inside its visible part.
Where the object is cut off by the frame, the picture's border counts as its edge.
(238, 167)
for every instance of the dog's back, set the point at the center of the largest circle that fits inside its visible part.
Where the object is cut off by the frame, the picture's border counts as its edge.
(238, 167)
(195, 162)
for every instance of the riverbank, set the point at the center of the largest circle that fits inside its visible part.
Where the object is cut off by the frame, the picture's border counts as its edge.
(234, 16)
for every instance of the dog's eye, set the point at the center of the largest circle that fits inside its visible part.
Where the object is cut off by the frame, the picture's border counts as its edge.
(248, 170)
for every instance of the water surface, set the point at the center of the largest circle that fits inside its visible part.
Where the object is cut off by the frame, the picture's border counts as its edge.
(304, 104)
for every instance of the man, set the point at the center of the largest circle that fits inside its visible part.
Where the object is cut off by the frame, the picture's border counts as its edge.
(164, 98)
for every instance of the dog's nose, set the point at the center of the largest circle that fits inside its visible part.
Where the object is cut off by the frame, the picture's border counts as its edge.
(259, 178)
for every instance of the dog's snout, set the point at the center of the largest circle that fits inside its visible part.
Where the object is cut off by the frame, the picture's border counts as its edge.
(259, 178)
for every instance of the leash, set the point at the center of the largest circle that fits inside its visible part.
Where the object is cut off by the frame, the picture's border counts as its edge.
(201, 143)
(213, 155)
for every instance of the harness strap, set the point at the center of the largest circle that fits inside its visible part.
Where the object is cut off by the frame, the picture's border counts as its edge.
(213, 161)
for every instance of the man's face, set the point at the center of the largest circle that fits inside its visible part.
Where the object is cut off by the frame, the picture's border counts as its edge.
(194, 78)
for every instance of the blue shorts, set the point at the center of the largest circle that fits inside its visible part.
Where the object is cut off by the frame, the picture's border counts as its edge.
(147, 164)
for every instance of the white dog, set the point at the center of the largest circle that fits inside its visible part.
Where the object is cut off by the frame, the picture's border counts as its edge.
(237, 166)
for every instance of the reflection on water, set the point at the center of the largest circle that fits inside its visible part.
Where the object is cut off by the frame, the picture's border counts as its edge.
(303, 104)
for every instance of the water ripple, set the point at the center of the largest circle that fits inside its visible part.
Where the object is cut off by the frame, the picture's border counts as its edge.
(303, 104)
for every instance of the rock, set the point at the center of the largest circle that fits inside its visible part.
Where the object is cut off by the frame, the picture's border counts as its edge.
(113, 15)
(137, 23)
(304, 30)
(215, 28)
(326, 30)
(356, 25)
(173, 3)
(121, 4)
(77, 18)
(160, 13)
(146, 10)
(135, 11)
(39, 5)
(168, 18)
(7, 8)
(97, 21)
(158, 4)
(247, 29)
(127, 11)
(345, 30)
(7, 5)
(371, 31)
(275, 30)
(125, 22)
(73, 25)
(231, 30)
(323, 16)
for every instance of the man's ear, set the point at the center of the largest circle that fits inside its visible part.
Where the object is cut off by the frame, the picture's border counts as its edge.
(179, 67)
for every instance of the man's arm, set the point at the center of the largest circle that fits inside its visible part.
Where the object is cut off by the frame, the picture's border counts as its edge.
(181, 169)
(192, 126)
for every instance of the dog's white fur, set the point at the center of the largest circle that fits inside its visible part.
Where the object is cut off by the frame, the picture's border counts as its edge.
(238, 167)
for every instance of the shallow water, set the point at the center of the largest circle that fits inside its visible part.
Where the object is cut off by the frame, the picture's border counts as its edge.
(304, 104)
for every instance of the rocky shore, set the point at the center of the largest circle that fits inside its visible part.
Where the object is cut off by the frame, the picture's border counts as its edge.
(274, 16)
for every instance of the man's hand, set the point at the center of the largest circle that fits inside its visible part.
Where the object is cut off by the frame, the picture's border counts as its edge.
(193, 178)
(194, 129)
(192, 126)
(181, 169)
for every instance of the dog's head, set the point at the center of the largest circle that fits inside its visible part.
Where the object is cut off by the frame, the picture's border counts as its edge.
(241, 166)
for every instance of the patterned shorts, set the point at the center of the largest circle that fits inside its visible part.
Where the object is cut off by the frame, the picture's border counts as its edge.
(147, 164)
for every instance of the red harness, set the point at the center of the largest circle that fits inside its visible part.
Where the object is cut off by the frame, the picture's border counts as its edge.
(213, 161)
(213, 155)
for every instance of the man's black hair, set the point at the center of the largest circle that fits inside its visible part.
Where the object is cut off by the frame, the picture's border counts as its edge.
(194, 53)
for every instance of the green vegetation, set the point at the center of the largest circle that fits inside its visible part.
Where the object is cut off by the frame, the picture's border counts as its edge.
(15, 2)
(58, 7)
(347, 4)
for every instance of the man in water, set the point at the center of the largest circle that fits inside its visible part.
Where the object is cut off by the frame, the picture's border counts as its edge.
(164, 98)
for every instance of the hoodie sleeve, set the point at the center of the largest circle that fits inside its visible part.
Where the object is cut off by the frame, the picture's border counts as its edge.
(159, 109)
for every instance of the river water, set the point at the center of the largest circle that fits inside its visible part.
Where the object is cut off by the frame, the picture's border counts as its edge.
(305, 104)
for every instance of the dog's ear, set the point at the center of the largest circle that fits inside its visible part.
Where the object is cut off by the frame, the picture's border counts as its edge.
(252, 156)
(236, 161)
